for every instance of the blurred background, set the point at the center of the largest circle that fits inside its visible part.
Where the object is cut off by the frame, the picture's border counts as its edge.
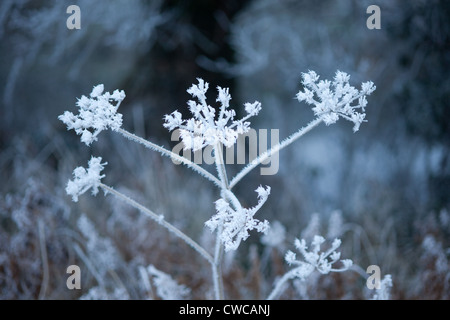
(383, 190)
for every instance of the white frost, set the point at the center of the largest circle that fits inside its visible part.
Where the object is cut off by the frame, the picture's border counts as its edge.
(166, 287)
(206, 127)
(314, 259)
(335, 98)
(97, 113)
(237, 222)
(83, 179)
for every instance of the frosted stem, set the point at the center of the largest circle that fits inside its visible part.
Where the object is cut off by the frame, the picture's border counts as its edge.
(264, 156)
(217, 267)
(218, 252)
(280, 285)
(160, 220)
(168, 153)
(220, 166)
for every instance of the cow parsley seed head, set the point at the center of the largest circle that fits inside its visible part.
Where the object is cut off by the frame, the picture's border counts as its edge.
(85, 179)
(335, 98)
(237, 222)
(206, 127)
(315, 259)
(97, 113)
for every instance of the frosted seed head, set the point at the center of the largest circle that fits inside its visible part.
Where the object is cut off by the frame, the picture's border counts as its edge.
(85, 179)
(208, 127)
(334, 99)
(95, 114)
(315, 259)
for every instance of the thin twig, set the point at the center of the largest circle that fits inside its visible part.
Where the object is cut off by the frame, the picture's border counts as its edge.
(168, 153)
(217, 267)
(160, 220)
(277, 290)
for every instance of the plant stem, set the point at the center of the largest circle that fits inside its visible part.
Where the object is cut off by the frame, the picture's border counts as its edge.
(217, 267)
(264, 156)
(220, 166)
(164, 151)
(279, 286)
(218, 252)
(160, 220)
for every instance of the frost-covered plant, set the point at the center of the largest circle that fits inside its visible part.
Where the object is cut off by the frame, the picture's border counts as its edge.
(203, 128)
(101, 252)
(313, 259)
(31, 247)
(96, 113)
(166, 287)
(99, 293)
(236, 223)
(435, 250)
(85, 179)
(208, 127)
(334, 98)
(385, 289)
(435, 257)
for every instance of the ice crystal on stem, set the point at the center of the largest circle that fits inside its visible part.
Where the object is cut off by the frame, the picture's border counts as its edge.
(96, 113)
(335, 98)
(236, 223)
(206, 127)
(83, 179)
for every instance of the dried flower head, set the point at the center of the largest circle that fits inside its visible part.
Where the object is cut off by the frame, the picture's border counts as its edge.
(236, 223)
(83, 179)
(97, 113)
(314, 259)
(335, 98)
(205, 127)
